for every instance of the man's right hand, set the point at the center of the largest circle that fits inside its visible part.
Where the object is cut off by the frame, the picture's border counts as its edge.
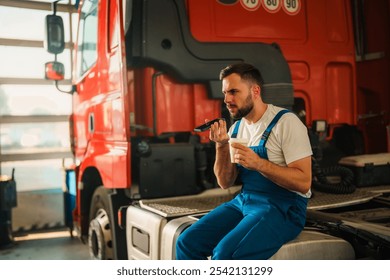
(218, 133)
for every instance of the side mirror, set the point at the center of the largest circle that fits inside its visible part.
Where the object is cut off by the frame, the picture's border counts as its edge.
(54, 70)
(54, 37)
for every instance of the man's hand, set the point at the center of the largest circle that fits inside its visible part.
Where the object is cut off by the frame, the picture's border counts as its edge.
(218, 133)
(246, 157)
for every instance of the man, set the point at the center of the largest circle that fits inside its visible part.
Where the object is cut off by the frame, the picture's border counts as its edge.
(275, 174)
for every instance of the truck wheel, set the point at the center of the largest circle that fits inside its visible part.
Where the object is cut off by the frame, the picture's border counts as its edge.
(99, 233)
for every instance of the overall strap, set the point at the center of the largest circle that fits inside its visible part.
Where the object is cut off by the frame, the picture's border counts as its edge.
(235, 130)
(267, 132)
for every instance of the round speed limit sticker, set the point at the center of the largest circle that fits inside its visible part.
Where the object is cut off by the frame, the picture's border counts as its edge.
(291, 7)
(272, 6)
(251, 5)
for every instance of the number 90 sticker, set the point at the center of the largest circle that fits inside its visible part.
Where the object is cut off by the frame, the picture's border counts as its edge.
(272, 6)
(291, 7)
(251, 5)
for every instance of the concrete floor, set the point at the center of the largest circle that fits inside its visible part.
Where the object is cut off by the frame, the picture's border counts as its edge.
(49, 245)
(39, 230)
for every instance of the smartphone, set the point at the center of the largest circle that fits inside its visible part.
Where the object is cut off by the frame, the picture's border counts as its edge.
(207, 125)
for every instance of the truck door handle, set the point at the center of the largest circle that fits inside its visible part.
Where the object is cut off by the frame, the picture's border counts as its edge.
(91, 122)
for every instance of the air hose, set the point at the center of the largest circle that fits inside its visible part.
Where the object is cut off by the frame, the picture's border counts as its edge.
(321, 183)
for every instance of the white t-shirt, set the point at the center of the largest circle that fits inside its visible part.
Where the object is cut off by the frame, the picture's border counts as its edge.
(287, 142)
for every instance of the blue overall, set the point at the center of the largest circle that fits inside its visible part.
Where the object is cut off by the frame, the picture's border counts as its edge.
(253, 225)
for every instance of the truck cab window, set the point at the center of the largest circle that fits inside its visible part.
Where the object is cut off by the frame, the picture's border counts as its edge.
(87, 47)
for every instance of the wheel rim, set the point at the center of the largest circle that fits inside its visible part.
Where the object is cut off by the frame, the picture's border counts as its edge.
(99, 237)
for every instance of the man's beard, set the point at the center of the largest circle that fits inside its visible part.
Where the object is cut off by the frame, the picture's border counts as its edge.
(245, 110)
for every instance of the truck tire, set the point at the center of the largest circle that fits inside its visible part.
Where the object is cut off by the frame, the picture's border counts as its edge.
(99, 233)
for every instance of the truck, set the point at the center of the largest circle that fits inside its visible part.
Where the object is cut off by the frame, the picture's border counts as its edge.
(145, 73)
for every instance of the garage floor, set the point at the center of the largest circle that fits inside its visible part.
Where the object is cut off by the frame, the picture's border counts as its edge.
(39, 230)
(49, 245)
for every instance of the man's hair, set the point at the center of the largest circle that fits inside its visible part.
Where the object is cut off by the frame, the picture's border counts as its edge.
(246, 71)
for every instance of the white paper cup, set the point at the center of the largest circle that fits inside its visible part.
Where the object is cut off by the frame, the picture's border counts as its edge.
(241, 141)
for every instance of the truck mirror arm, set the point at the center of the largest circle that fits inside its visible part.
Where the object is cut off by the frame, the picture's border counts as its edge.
(71, 91)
